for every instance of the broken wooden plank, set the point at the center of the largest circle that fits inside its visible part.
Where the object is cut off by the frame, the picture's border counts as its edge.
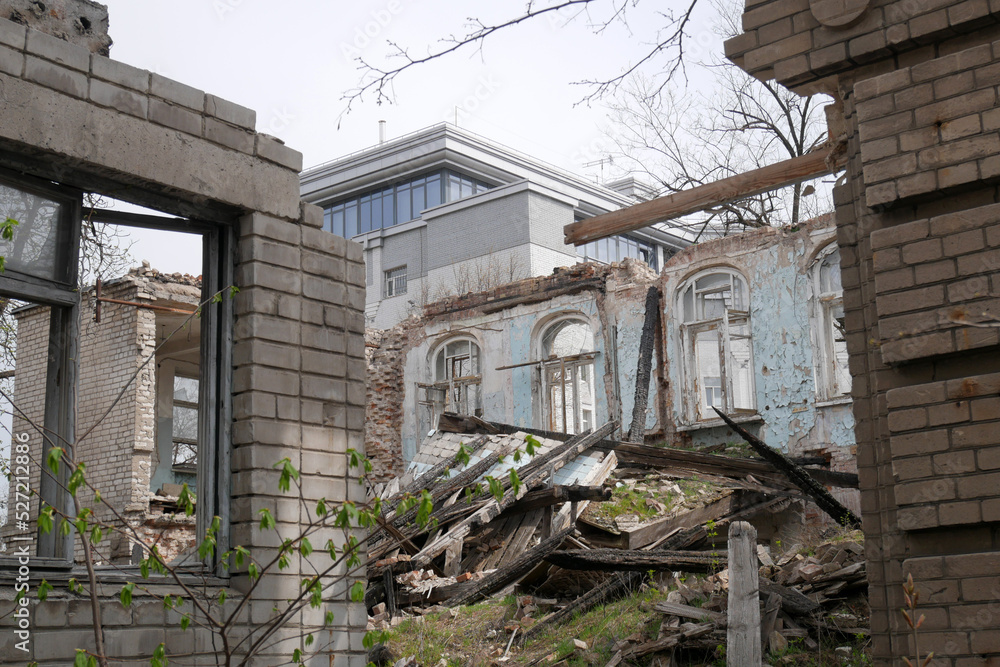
(798, 476)
(792, 601)
(558, 494)
(740, 186)
(650, 324)
(521, 538)
(553, 460)
(508, 575)
(743, 614)
(768, 619)
(428, 478)
(613, 586)
(622, 560)
(695, 613)
(688, 631)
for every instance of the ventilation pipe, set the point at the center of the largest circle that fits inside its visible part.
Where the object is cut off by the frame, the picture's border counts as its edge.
(381, 131)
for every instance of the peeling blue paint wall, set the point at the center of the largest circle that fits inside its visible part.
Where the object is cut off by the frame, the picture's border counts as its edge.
(777, 265)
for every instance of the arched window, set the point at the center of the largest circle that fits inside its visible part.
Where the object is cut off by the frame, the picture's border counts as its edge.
(567, 375)
(718, 355)
(833, 378)
(457, 377)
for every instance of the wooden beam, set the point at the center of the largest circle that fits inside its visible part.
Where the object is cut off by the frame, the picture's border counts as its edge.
(636, 560)
(743, 635)
(740, 186)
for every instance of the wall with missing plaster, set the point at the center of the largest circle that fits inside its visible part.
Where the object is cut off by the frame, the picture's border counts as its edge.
(779, 267)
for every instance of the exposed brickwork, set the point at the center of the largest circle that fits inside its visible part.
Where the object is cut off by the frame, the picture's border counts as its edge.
(932, 275)
(911, 267)
(930, 127)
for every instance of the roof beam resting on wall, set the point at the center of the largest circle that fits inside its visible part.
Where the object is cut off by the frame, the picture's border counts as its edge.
(787, 172)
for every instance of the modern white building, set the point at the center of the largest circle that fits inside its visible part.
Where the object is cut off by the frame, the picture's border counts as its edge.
(444, 211)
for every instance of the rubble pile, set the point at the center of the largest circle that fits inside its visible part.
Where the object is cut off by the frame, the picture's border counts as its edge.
(591, 520)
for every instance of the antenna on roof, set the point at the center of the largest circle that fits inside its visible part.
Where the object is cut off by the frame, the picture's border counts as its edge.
(381, 131)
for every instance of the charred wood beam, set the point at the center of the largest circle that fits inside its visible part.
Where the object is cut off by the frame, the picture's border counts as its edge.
(797, 475)
(637, 432)
(631, 560)
(559, 494)
(511, 573)
(631, 454)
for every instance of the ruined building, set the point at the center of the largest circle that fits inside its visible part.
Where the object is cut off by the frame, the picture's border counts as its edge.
(444, 211)
(274, 371)
(750, 324)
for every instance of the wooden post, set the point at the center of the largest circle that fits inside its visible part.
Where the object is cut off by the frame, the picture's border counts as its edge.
(743, 635)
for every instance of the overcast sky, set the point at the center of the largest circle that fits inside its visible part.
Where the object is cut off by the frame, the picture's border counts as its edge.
(294, 62)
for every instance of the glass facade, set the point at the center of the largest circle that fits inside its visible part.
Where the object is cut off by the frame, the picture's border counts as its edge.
(396, 204)
(617, 248)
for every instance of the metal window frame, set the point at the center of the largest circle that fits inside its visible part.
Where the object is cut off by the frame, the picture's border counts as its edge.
(393, 277)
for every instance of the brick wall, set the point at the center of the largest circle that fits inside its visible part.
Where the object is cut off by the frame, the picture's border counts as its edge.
(298, 370)
(914, 92)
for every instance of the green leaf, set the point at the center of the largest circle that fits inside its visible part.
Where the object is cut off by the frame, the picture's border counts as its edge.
(328, 618)
(144, 568)
(357, 591)
(45, 519)
(253, 571)
(81, 658)
(321, 507)
(297, 655)
(515, 482)
(77, 479)
(288, 473)
(126, 595)
(159, 658)
(531, 444)
(217, 297)
(186, 500)
(52, 460)
(43, 590)
(305, 547)
(266, 519)
(425, 509)
(309, 640)
(463, 454)
(185, 622)
(233, 291)
(96, 533)
(496, 487)
(222, 597)
(7, 228)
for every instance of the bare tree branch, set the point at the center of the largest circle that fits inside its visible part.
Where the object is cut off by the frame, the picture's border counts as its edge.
(667, 46)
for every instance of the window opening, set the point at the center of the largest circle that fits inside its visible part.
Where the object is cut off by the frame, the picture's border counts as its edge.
(567, 376)
(617, 249)
(395, 282)
(76, 349)
(393, 205)
(833, 377)
(718, 352)
(457, 381)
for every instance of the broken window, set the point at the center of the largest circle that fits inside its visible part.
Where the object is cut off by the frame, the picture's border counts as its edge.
(457, 381)
(833, 378)
(567, 376)
(718, 354)
(81, 380)
(395, 282)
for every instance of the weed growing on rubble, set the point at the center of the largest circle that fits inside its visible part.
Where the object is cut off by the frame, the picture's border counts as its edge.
(912, 596)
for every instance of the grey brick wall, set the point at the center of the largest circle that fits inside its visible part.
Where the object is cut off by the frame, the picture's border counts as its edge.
(298, 373)
(473, 232)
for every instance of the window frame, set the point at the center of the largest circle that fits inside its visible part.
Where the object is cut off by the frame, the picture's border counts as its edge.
(570, 370)
(825, 364)
(693, 409)
(393, 277)
(219, 242)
